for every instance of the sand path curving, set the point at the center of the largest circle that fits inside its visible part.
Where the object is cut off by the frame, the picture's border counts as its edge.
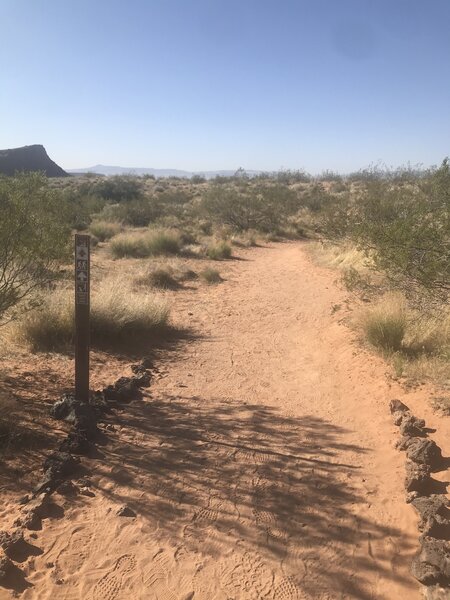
(260, 465)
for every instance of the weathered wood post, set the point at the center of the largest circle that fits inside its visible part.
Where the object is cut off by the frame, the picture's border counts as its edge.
(82, 310)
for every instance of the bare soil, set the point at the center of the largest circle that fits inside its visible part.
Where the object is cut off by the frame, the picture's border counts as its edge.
(260, 464)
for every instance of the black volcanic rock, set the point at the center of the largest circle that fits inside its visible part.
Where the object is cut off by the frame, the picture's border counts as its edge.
(29, 158)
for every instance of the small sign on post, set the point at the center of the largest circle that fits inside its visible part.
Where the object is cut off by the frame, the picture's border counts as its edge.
(82, 310)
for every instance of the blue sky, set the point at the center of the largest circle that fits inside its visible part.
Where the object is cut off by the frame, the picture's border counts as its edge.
(218, 84)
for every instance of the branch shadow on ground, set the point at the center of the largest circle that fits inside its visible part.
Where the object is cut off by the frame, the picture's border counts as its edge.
(220, 476)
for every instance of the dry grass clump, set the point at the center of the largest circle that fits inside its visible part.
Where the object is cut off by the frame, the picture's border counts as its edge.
(211, 275)
(104, 230)
(219, 251)
(385, 323)
(245, 240)
(392, 325)
(344, 256)
(119, 315)
(154, 242)
(162, 278)
(417, 344)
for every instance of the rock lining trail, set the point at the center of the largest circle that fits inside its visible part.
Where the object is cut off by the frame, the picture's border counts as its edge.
(260, 463)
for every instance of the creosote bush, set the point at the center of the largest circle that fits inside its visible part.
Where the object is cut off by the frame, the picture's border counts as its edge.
(119, 315)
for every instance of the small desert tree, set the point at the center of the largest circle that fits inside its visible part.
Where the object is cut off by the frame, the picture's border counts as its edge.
(34, 238)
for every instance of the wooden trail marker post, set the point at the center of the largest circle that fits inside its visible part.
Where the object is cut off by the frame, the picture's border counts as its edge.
(82, 313)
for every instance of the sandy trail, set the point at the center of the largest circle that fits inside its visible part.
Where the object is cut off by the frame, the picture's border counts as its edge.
(260, 465)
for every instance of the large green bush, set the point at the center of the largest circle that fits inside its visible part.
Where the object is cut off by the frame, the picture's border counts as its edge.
(34, 237)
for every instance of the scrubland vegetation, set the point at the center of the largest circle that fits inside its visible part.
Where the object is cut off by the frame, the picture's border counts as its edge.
(386, 232)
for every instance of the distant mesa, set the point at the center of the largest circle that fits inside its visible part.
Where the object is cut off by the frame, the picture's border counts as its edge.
(109, 170)
(27, 159)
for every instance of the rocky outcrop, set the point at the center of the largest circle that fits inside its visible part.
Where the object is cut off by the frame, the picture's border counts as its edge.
(27, 159)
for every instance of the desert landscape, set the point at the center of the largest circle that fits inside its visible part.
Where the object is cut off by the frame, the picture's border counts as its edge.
(257, 351)
(224, 300)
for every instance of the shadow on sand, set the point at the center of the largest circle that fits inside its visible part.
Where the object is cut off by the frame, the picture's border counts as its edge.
(219, 477)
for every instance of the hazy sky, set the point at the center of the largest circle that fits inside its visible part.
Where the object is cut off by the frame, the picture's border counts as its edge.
(218, 84)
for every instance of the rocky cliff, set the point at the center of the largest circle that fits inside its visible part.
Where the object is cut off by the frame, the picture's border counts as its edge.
(29, 158)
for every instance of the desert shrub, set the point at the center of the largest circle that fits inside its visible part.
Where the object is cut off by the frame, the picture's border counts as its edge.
(261, 207)
(104, 230)
(118, 315)
(198, 179)
(186, 274)
(142, 245)
(80, 207)
(219, 251)
(34, 238)
(137, 213)
(120, 188)
(385, 323)
(210, 275)
(403, 225)
(160, 278)
(246, 240)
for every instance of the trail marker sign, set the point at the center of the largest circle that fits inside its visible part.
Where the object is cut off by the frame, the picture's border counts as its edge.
(82, 314)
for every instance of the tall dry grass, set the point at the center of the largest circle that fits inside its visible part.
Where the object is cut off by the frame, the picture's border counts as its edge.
(119, 315)
(153, 242)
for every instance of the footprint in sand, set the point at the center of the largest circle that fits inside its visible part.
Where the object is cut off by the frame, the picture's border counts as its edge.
(156, 577)
(74, 555)
(249, 579)
(110, 585)
(287, 589)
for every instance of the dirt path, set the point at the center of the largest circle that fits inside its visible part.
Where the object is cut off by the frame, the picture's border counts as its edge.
(261, 466)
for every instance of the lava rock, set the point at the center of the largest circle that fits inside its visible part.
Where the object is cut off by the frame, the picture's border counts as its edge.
(10, 542)
(143, 379)
(417, 477)
(6, 568)
(398, 416)
(60, 464)
(405, 442)
(31, 521)
(397, 406)
(123, 390)
(412, 426)
(431, 565)
(76, 442)
(431, 506)
(125, 511)
(67, 488)
(425, 452)
(65, 408)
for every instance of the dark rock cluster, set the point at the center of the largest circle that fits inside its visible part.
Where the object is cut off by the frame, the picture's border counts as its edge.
(431, 565)
(63, 463)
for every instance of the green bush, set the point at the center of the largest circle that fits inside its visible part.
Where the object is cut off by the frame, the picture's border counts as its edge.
(34, 237)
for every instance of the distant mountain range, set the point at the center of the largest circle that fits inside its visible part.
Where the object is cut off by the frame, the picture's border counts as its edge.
(29, 158)
(111, 170)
